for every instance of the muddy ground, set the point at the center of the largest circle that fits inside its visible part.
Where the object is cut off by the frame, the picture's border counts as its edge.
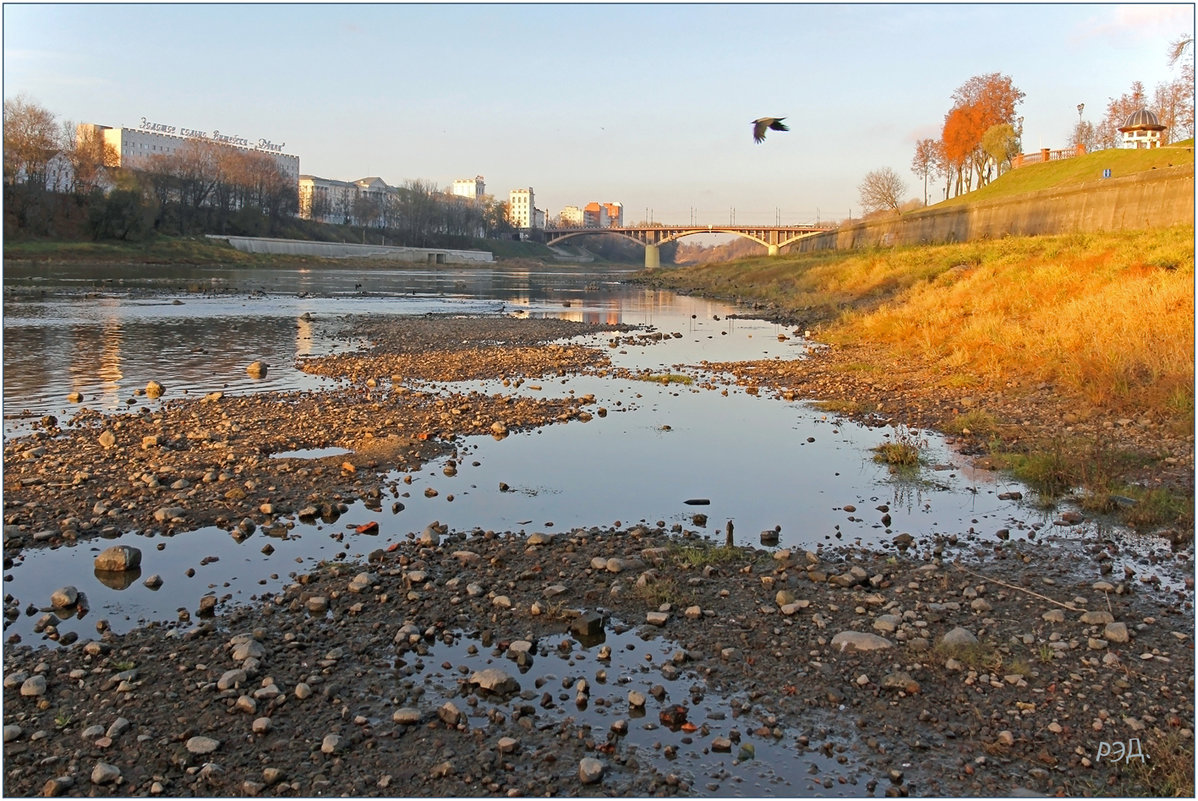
(372, 679)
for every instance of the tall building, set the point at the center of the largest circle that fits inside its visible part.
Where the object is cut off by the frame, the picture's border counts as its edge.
(570, 217)
(134, 147)
(594, 215)
(474, 188)
(521, 209)
(615, 214)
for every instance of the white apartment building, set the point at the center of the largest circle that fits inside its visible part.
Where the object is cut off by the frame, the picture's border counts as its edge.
(521, 208)
(474, 188)
(135, 146)
(329, 201)
(570, 217)
(325, 200)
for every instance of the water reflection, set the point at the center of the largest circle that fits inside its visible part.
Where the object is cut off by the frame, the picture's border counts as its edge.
(763, 463)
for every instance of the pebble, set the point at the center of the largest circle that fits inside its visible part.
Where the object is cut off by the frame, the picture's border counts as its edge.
(64, 597)
(590, 770)
(860, 641)
(118, 558)
(34, 687)
(958, 638)
(201, 745)
(1116, 632)
(104, 773)
(406, 716)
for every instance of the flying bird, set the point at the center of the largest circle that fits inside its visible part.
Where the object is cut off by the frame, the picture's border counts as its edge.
(760, 125)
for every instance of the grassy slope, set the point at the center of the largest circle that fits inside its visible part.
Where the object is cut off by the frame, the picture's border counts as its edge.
(1078, 170)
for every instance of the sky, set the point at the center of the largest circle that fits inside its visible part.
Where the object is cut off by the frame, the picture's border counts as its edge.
(647, 105)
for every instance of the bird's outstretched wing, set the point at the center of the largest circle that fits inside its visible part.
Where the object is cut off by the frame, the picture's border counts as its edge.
(761, 124)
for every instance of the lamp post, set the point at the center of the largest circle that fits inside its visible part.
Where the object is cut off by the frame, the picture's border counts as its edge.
(1080, 108)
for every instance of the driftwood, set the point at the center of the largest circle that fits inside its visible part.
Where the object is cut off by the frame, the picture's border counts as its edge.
(1008, 585)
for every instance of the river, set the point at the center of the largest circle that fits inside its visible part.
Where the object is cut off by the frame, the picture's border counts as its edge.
(755, 461)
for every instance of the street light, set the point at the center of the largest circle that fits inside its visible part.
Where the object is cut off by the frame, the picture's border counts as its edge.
(1080, 107)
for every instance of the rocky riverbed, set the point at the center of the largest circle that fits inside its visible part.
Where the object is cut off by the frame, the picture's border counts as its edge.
(635, 660)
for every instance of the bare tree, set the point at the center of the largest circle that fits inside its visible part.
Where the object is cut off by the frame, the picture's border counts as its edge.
(1178, 47)
(1117, 112)
(882, 189)
(31, 141)
(928, 155)
(1176, 99)
(89, 156)
(1085, 134)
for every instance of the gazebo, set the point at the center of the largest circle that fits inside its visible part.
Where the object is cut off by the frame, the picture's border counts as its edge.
(1141, 130)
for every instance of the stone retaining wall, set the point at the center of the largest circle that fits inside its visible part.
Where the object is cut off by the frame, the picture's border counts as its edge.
(341, 250)
(1157, 198)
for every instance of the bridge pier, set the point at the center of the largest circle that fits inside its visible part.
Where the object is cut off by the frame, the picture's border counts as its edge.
(773, 250)
(652, 257)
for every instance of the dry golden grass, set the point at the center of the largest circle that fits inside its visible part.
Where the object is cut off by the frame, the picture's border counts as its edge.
(1108, 316)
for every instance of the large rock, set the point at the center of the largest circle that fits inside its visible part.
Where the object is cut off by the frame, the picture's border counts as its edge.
(860, 641)
(958, 638)
(118, 558)
(64, 597)
(496, 681)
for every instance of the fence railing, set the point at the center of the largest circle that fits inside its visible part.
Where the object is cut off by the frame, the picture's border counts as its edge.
(1047, 154)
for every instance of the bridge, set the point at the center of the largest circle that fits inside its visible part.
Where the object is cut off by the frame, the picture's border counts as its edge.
(774, 237)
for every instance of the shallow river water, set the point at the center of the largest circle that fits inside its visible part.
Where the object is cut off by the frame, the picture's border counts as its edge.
(758, 462)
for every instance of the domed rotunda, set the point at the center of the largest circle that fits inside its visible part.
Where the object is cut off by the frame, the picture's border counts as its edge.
(1142, 130)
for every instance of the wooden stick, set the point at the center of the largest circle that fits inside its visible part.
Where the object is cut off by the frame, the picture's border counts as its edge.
(1070, 607)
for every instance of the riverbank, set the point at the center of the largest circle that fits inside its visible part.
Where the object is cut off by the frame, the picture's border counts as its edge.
(1067, 359)
(202, 250)
(455, 663)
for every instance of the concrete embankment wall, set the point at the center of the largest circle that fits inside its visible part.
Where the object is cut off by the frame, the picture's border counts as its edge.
(342, 250)
(1152, 199)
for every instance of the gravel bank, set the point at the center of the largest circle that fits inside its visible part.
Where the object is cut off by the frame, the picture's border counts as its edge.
(473, 663)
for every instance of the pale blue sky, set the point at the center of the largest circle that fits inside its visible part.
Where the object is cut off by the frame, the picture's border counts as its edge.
(645, 104)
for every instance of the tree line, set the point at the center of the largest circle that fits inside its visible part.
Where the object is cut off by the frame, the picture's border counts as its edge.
(982, 133)
(64, 181)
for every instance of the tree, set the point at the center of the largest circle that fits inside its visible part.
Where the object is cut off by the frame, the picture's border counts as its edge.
(979, 104)
(30, 142)
(1177, 100)
(961, 136)
(89, 156)
(1085, 134)
(1178, 47)
(882, 189)
(1117, 111)
(929, 153)
(1001, 144)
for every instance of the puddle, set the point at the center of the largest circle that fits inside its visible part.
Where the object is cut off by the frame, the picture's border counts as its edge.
(311, 453)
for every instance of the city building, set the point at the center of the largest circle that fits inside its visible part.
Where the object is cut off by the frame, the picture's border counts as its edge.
(1142, 130)
(521, 209)
(330, 201)
(594, 215)
(615, 214)
(570, 217)
(474, 188)
(134, 147)
(325, 200)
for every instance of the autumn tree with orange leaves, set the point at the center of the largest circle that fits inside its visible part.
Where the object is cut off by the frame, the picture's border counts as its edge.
(978, 105)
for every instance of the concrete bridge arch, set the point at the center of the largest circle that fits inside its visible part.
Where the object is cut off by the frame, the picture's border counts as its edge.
(774, 238)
